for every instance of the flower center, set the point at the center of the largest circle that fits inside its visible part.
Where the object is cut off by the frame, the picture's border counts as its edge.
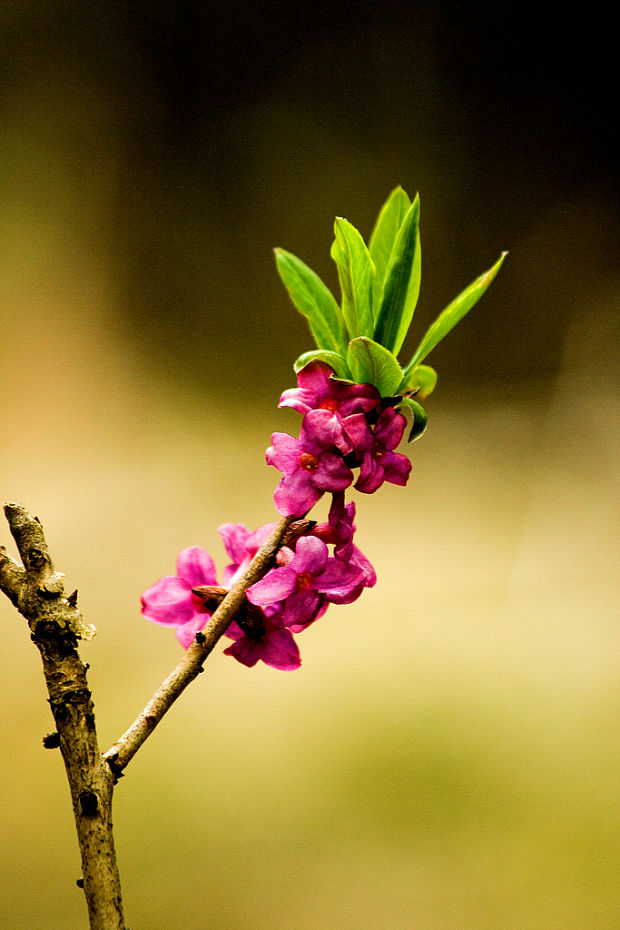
(304, 579)
(308, 461)
(329, 404)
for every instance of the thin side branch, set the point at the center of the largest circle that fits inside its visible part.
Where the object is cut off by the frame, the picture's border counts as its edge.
(56, 625)
(124, 749)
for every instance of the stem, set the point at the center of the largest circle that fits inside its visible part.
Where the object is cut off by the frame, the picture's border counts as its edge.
(124, 749)
(56, 625)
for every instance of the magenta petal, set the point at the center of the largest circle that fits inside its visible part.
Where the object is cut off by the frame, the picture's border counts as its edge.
(168, 601)
(356, 397)
(186, 634)
(396, 467)
(299, 400)
(196, 567)
(358, 431)
(284, 453)
(315, 377)
(354, 556)
(390, 428)
(301, 609)
(234, 537)
(296, 494)
(277, 584)
(234, 631)
(279, 650)
(332, 474)
(259, 537)
(310, 555)
(371, 475)
(244, 650)
(340, 583)
(322, 429)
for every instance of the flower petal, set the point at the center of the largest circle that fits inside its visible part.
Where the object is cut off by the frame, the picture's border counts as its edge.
(196, 567)
(310, 556)
(168, 601)
(284, 453)
(396, 467)
(296, 494)
(186, 634)
(301, 609)
(331, 473)
(234, 537)
(277, 584)
(390, 428)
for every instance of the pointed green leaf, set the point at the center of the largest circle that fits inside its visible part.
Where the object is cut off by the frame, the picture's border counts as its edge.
(371, 363)
(356, 272)
(314, 300)
(454, 312)
(419, 418)
(421, 381)
(402, 283)
(333, 359)
(389, 220)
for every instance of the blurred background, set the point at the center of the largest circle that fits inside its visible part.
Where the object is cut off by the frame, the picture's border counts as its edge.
(447, 757)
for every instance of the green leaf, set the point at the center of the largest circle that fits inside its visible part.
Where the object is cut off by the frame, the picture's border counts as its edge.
(371, 363)
(422, 381)
(356, 272)
(419, 417)
(383, 237)
(454, 312)
(314, 300)
(333, 359)
(402, 283)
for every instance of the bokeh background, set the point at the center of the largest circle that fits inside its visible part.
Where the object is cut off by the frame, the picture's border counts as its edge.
(447, 758)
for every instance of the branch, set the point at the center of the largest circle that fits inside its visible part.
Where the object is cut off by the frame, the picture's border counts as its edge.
(124, 749)
(56, 625)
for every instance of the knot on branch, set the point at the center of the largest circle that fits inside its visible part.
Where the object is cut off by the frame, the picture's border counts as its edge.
(36, 589)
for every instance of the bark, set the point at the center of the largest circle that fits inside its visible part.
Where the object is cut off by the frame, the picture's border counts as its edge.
(56, 626)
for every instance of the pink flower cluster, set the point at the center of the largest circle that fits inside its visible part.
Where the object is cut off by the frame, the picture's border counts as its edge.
(291, 596)
(345, 426)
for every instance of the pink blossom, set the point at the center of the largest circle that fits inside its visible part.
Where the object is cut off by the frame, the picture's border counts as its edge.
(170, 600)
(374, 450)
(311, 464)
(318, 390)
(339, 530)
(306, 581)
(274, 644)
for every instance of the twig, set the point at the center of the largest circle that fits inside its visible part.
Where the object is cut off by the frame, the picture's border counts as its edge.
(124, 749)
(56, 625)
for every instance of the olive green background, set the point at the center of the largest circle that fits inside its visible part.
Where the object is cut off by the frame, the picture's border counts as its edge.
(447, 758)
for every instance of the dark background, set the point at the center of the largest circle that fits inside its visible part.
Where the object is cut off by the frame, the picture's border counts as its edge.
(235, 128)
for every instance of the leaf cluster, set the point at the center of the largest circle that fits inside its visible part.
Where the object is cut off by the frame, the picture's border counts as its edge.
(361, 336)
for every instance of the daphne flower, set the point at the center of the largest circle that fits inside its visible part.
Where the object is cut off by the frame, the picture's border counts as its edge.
(307, 580)
(170, 600)
(339, 530)
(317, 390)
(311, 464)
(374, 449)
(273, 644)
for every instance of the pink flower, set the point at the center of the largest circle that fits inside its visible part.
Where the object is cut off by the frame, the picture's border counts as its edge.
(170, 600)
(241, 545)
(339, 530)
(311, 464)
(305, 582)
(274, 644)
(374, 449)
(317, 390)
